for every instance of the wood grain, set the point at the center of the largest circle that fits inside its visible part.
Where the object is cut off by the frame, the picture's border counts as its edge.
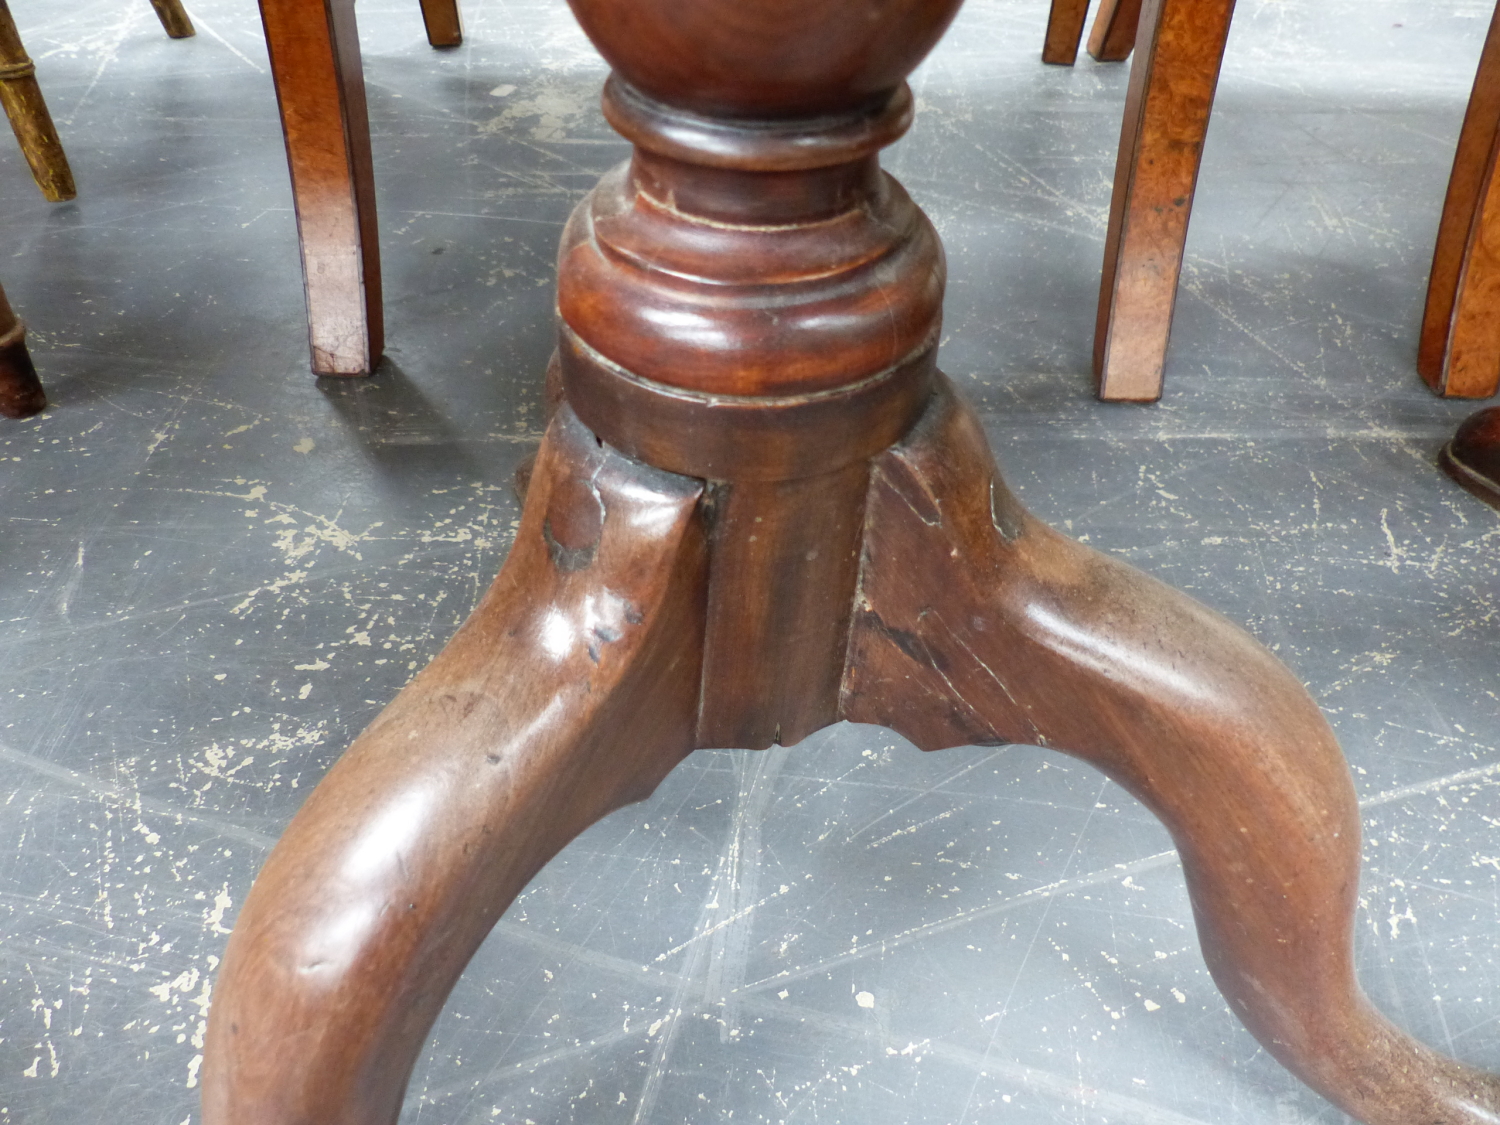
(441, 20)
(1112, 37)
(978, 624)
(29, 117)
(315, 62)
(1065, 20)
(1171, 93)
(1459, 352)
(570, 691)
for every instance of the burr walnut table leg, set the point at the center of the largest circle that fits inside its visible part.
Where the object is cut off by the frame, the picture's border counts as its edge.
(570, 691)
(1459, 353)
(1172, 81)
(21, 392)
(28, 114)
(979, 624)
(315, 62)
(1065, 23)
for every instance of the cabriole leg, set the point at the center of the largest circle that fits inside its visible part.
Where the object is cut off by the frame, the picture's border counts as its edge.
(572, 690)
(979, 624)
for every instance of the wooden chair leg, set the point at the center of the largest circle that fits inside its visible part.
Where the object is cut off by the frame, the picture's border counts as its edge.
(572, 690)
(979, 624)
(1112, 37)
(1172, 81)
(444, 26)
(1064, 31)
(315, 62)
(22, 99)
(1459, 353)
(21, 392)
(174, 18)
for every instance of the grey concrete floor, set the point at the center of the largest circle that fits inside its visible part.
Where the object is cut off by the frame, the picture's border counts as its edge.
(214, 571)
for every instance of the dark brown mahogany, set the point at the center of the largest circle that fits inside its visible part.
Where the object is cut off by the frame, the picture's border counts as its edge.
(759, 509)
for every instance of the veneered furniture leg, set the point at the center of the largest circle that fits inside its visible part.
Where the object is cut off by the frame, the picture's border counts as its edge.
(174, 18)
(1459, 353)
(21, 392)
(441, 19)
(315, 62)
(22, 99)
(1112, 37)
(979, 624)
(1065, 23)
(570, 691)
(1172, 81)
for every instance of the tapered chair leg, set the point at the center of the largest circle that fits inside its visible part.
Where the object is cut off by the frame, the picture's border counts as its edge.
(444, 26)
(979, 624)
(20, 390)
(1112, 37)
(1172, 81)
(1459, 353)
(315, 62)
(28, 115)
(571, 691)
(174, 18)
(1065, 23)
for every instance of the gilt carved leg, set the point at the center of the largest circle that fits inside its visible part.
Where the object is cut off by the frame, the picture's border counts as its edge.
(571, 691)
(1459, 353)
(977, 623)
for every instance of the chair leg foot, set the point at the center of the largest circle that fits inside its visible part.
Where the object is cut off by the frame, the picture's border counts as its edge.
(444, 25)
(174, 18)
(1065, 23)
(29, 117)
(979, 624)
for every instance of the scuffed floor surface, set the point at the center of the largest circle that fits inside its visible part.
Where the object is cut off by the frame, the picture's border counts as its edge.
(214, 571)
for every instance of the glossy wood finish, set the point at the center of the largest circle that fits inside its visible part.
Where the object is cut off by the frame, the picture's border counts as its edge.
(314, 50)
(978, 624)
(572, 690)
(1172, 83)
(441, 19)
(753, 306)
(1459, 353)
(1472, 456)
(1112, 37)
(174, 18)
(1065, 20)
(21, 392)
(28, 115)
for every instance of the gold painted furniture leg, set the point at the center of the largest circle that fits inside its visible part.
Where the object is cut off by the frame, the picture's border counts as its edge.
(1459, 353)
(174, 18)
(28, 115)
(21, 392)
(1112, 37)
(759, 509)
(315, 62)
(1065, 22)
(1172, 81)
(444, 26)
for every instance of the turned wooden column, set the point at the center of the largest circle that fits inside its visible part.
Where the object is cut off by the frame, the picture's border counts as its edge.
(758, 509)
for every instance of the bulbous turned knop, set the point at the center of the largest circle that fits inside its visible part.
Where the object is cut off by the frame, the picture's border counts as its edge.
(778, 58)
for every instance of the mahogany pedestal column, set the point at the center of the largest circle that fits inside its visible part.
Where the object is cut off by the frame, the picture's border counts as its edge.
(761, 510)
